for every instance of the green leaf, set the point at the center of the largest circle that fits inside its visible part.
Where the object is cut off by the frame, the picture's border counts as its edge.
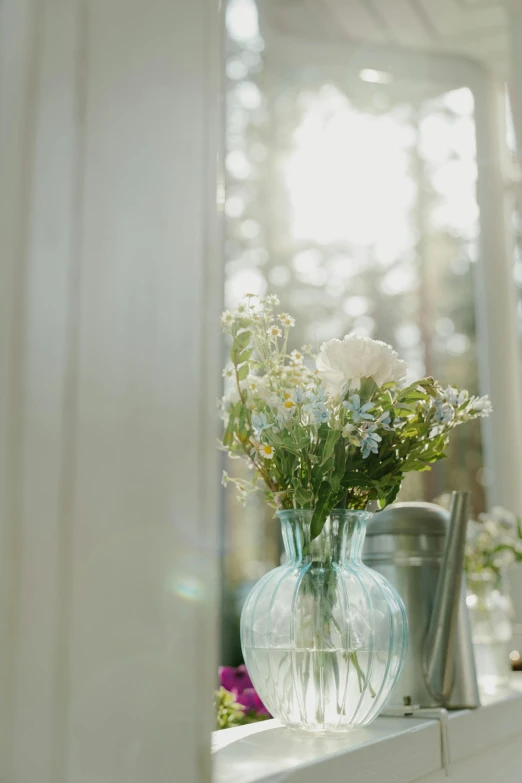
(413, 389)
(331, 440)
(322, 509)
(237, 352)
(335, 482)
(238, 355)
(392, 494)
(355, 479)
(339, 465)
(323, 431)
(303, 496)
(414, 396)
(280, 441)
(244, 356)
(242, 423)
(302, 441)
(242, 373)
(228, 437)
(326, 501)
(242, 339)
(368, 389)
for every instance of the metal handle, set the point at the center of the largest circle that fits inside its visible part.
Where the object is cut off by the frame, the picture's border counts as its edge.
(439, 650)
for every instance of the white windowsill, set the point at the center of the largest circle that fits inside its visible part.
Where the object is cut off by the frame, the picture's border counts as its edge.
(390, 750)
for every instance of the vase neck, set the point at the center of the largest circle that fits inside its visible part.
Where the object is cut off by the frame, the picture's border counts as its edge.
(341, 538)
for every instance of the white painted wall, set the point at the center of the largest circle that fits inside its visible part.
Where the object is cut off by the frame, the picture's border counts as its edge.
(110, 288)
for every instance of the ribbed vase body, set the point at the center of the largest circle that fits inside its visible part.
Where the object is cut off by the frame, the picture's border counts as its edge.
(324, 636)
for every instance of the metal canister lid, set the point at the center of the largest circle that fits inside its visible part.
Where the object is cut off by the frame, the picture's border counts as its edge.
(409, 519)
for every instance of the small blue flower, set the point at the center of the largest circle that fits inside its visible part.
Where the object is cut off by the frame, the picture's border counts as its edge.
(443, 412)
(456, 397)
(259, 422)
(385, 421)
(316, 397)
(299, 395)
(370, 441)
(321, 396)
(451, 395)
(319, 413)
(359, 413)
(316, 407)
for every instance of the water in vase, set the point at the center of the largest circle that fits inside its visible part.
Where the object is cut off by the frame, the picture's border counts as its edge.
(322, 690)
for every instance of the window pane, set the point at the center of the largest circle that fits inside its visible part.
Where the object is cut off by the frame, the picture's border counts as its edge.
(352, 199)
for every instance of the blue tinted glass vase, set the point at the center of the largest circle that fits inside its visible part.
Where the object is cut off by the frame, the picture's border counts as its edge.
(324, 637)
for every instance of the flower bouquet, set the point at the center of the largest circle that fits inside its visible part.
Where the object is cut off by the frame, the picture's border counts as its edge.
(334, 436)
(323, 636)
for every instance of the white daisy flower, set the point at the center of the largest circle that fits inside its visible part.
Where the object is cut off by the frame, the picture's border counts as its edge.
(286, 319)
(228, 372)
(296, 357)
(272, 300)
(289, 403)
(256, 444)
(266, 451)
(274, 331)
(224, 478)
(227, 319)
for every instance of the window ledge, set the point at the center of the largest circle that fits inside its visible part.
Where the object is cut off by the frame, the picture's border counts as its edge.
(391, 749)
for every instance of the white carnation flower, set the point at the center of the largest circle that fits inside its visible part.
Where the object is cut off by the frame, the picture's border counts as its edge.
(342, 364)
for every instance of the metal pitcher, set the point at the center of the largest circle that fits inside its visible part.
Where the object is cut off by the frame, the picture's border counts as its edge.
(419, 548)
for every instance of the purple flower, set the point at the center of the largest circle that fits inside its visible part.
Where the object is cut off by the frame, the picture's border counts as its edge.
(251, 701)
(235, 680)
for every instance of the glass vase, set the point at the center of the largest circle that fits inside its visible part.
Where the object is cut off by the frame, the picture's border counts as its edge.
(324, 636)
(491, 611)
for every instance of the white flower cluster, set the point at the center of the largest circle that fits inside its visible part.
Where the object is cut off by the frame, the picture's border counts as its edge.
(494, 541)
(455, 406)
